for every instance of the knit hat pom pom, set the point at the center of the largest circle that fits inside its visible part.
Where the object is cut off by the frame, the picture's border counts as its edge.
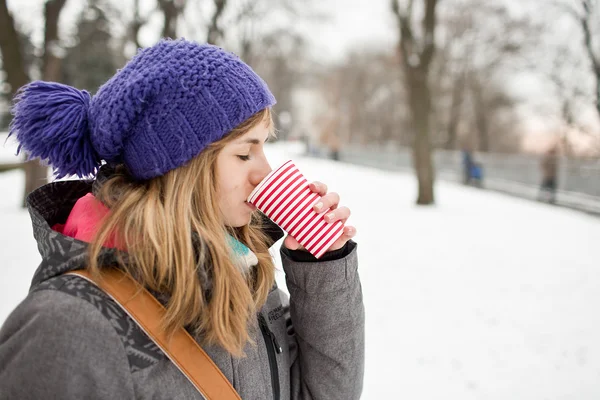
(51, 123)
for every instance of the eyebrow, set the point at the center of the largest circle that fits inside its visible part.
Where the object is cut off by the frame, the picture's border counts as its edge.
(251, 141)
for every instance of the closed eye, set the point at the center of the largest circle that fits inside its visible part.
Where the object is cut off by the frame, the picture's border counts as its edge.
(244, 158)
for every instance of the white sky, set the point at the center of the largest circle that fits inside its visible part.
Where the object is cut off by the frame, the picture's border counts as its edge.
(355, 24)
(482, 297)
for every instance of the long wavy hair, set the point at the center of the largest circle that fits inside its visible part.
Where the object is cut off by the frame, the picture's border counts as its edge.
(174, 236)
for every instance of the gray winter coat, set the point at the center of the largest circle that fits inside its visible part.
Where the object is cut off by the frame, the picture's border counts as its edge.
(69, 340)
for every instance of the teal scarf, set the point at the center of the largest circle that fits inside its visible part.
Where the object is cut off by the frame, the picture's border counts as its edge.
(243, 257)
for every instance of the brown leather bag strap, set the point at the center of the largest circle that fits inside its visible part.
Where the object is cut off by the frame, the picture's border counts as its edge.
(182, 349)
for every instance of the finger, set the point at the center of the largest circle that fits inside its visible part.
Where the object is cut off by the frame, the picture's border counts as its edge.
(339, 214)
(291, 243)
(348, 233)
(318, 187)
(329, 201)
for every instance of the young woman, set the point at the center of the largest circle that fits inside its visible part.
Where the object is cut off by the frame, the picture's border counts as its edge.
(175, 141)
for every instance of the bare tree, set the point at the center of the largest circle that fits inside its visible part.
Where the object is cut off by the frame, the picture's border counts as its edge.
(136, 24)
(416, 56)
(90, 60)
(245, 25)
(51, 60)
(502, 54)
(586, 15)
(565, 65)
(585, 22)
(14, 65)
(585, 18)
(275, 51)
(171, 10)
(36, 174)
(450, 70)
(482, 44)
(364, 97)
(215, 33)
(13, 61)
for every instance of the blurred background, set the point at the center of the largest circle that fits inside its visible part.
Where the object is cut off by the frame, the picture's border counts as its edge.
(502, 94)
(463, 134)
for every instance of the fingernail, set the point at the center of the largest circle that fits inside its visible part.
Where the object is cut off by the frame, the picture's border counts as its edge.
(330, 216)
(318, 206)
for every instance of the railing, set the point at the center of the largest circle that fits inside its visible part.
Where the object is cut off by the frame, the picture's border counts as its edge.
(518, 174)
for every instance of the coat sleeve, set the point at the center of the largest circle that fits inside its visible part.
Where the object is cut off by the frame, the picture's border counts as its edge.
(56, 346)
(327, 339)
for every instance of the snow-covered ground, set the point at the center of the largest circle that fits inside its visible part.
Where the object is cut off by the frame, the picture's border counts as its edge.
(483, 296)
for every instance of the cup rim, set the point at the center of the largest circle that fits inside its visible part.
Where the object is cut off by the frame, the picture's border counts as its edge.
(266, 179)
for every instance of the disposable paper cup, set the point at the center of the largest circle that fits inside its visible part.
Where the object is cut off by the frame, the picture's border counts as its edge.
(284, 197)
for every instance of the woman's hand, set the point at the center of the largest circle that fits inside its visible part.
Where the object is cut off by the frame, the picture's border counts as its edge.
(335, 213)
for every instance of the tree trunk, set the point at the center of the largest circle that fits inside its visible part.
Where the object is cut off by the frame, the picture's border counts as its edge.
(214, 32)
(420, 105)
(36, 174)
(13, 61)
(481, 119)
(16, 76)
(455, 112)
(51, 60)
(171, 10)
(136, 25)
(416, 60)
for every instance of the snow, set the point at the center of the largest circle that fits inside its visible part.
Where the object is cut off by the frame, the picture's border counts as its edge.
(483, 296)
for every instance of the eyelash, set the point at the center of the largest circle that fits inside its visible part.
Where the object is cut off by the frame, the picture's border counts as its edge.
(244, 158)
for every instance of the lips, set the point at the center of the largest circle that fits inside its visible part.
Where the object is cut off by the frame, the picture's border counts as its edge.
(252, 206)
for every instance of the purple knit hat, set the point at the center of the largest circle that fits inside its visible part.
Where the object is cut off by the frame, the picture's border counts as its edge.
(157, 113)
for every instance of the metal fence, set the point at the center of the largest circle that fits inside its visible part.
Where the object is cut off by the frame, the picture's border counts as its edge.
(518, 174)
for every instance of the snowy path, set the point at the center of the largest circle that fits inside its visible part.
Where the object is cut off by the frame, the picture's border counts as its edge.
(483, 296)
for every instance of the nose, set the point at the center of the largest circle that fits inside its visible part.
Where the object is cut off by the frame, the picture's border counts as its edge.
(260, 172)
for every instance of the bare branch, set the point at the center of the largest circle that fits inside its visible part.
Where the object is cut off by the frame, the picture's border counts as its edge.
(406, 42)
(171, 10)
(136, 24)
(214, 31)
(584, 19)
(569, 9)
(429, 23)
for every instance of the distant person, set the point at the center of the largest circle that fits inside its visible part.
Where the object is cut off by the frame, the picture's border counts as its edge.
(175, 141)
(549, 167)
(334, 147)
(467, 163)
(472, 171)
(476, 171)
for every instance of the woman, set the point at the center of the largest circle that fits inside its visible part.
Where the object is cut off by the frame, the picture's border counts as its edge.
(175, 140)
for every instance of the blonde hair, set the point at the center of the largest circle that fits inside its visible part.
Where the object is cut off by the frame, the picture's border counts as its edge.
(170, 229)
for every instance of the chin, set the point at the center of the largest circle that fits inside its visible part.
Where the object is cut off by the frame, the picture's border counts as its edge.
(240, 221)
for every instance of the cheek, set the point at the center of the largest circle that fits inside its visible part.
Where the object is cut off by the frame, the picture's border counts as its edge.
(230, 192)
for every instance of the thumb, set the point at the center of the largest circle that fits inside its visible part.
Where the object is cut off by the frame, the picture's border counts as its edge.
(291, 243)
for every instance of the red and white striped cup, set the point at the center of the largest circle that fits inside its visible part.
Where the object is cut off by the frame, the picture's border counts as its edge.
(284, 197)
